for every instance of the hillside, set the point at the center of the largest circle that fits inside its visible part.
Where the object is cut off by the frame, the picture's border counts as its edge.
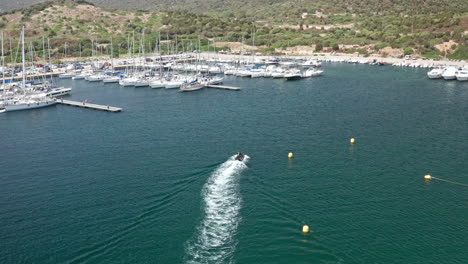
(351, 26)
(280, 8)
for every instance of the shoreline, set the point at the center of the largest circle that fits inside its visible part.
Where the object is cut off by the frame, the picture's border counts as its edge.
(322, 56)
(343, 56)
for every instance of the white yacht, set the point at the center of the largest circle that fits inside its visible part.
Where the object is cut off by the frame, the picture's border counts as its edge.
(449, 73)
(81, 76)
(278, 74)
(96, 78)
(244, 73)
(311, 63)
(111, 79)
(173, 84)
(141, 82)
(26, 101)
(212, 80)
(462, 75)
(215, 70)
(129, 81)
(288, 64)
(436, 73)
(58, 91)
(293, 74)
(67, 75)
(156, 83)
(312, 73)
(256, 73)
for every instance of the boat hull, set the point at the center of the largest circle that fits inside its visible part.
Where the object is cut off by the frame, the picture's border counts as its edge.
(22, 106)
(293, 77)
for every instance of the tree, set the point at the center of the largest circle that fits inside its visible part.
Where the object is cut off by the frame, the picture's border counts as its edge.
(408, 51)
(335, 46)
(318, 46)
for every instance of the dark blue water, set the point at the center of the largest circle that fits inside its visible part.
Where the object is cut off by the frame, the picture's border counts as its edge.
(157, 183)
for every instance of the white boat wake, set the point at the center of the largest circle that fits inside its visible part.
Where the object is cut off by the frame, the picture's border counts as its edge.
(215, 239)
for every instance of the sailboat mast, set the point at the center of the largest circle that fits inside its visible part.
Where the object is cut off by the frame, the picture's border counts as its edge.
(43, 51)
(24, 61)
(160, 54)
(143, 46)
(3, 63)
(48, 48)
(112, 55)
(3, 67)
(167, 44)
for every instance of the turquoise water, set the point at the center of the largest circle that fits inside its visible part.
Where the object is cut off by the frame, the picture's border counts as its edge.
(157, 183)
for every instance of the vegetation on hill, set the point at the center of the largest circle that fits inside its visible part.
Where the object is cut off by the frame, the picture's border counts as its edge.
(371, 26)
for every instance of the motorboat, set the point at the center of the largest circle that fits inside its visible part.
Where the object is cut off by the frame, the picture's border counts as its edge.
(240, 156)
(58, 91)
(293, 75)
(311, 63)
(257, 72)
(436, 73)
(66, 75)
(216, 80)
(312, 73)
(462, 75)
(273, 61)
(449, 73)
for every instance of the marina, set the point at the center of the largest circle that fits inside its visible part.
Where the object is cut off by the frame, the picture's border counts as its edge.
(175, 150)
(344, 140)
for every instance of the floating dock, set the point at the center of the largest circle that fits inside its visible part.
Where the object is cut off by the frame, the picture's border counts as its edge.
(224, 87)
(85, 104)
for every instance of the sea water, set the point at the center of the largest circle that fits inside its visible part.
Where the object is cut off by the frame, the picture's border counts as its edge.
(157, 183)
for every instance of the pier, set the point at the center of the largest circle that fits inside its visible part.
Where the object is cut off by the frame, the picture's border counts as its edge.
(223, 87)
(85, 104)
(33, 76)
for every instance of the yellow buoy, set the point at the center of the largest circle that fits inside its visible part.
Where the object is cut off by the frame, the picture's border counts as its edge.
(427, 177)
(352, 140)
(290, 155)
(305, 229)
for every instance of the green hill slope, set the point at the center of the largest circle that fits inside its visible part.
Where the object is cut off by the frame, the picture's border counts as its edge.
(433, 29)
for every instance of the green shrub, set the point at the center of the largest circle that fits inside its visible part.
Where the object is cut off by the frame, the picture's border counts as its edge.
(335, 46)
(408, 51)
(381, 45)
(460, 54)
(433, 54)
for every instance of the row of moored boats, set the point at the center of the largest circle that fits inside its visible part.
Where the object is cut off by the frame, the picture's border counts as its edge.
(449, 73)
